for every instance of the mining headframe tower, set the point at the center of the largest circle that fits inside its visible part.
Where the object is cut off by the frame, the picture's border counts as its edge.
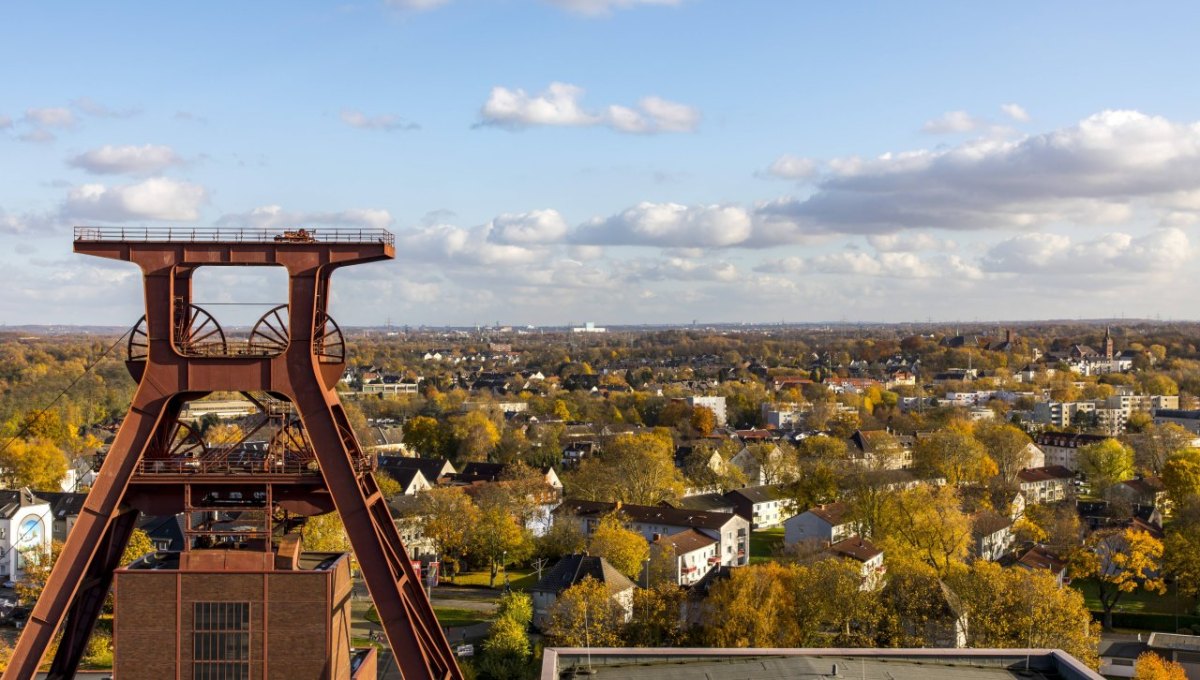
(241, 600)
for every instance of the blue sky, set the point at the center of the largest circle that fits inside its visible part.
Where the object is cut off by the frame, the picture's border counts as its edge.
(627, 161)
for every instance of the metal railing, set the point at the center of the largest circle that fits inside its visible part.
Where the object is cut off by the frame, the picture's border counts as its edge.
(233, 235)
(189, 466)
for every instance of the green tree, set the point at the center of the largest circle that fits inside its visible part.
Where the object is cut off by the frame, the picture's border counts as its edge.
(626, 550)
(505, 650)
(1105, 464)
(423, 435)
(563, 538)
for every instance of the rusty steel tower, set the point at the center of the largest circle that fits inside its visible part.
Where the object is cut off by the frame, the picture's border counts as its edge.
(288, 365)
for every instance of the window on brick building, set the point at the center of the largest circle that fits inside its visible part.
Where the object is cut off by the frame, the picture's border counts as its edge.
(221, 641)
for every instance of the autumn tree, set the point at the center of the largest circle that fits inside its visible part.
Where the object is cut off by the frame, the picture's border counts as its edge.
(1007, 446)
(448, 517)
(36, 565)
(1120, 561)
(1181, 475)
(703, 420)
(1105, 464)
(35, 463)
(955, 454)
(754, 607)
(914, 607)
(824, 447)
(326, 533)
(930, 527)
(1026, 608)
(1181, 547)
(139, 544)
(833, 606)
(656, 620)
(1150, 666)
(497, 538)
(506, 653)
(223, 434)
(475, 437)
(1156, 443)
(816, 484)
(585, 615)
(563, 538)
(423, 435)
(633, 468)
(625, 549)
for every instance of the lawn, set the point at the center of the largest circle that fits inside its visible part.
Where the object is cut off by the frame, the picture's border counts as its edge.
(457, 618)
(1139, 601)
(764, 543)
(519, 579)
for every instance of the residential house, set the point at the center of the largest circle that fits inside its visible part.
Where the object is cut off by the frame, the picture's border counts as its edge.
(573, 569)
(165, 531)
(494, 472)
(827, 524)
(1187, 419)
(714, 404)
(1143, 491)
(992, 535)
(763, 466)
(710, 502)
(1039, 557)
(1061, 448)
(867, 555)
(694, 554)
(432, 469)
(763, 506)
(64, 510)
(411, 481)
(25, 527)
(731, 531)
(881, 449)
(1046, 484)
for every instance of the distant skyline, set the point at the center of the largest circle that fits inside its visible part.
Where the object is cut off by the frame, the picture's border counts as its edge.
(622, 161)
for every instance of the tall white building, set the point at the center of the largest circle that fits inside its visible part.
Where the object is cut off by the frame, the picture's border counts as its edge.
(25, 525)
(714, 404)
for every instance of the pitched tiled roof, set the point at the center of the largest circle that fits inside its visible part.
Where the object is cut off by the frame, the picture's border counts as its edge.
(987, 523)
(650, 514)
(758, 494)
(63, 504)
(12, 500)
(1067, 439)
(1044, 474)
(430, 467)
(1038, 557)
(574, 568)
(686, 541)
(833, 513)
(856, 548)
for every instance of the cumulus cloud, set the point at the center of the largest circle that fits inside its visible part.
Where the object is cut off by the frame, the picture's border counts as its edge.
(1096, 171)
(856, 263)
(533, 227)
(669, 225)
(1163, 250)
(559, 105)
(457, 245)
(387, 123)
(908, 242)
(788, 166)
(157, 198)
(126, 160)
(680, 269)
(275, 217)
(1016, 112)
(952, 122)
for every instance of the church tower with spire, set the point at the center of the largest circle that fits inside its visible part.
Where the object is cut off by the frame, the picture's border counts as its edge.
(1108, 343)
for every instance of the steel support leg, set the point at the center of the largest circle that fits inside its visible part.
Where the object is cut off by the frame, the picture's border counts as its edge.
(91, 531)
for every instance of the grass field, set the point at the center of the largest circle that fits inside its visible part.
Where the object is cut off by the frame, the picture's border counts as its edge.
(1139, 601)
(519, 579)
(764, 543)
(457, 618)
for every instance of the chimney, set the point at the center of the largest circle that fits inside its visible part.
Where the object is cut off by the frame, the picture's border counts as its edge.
(1009, 335)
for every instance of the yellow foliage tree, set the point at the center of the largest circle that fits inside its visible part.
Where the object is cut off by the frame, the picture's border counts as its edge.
(1150, 666)
(35, 463)
(585, 615)
(626, 550)
(1120, 561)
(755, 607)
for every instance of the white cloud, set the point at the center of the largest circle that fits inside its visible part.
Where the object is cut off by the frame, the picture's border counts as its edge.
(5, 122)
(51, 117)
(952, 122)
(788, 166)
(559, 105)
(274, 217)
(120, 160)
(907, 243)
(669, 225)
(1099, 170)
(536, 227)
(446, 243)
(604, 7)
(1016, 112)
(153, 199)
(1161, 251)
(388, 123)
(680, 269)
